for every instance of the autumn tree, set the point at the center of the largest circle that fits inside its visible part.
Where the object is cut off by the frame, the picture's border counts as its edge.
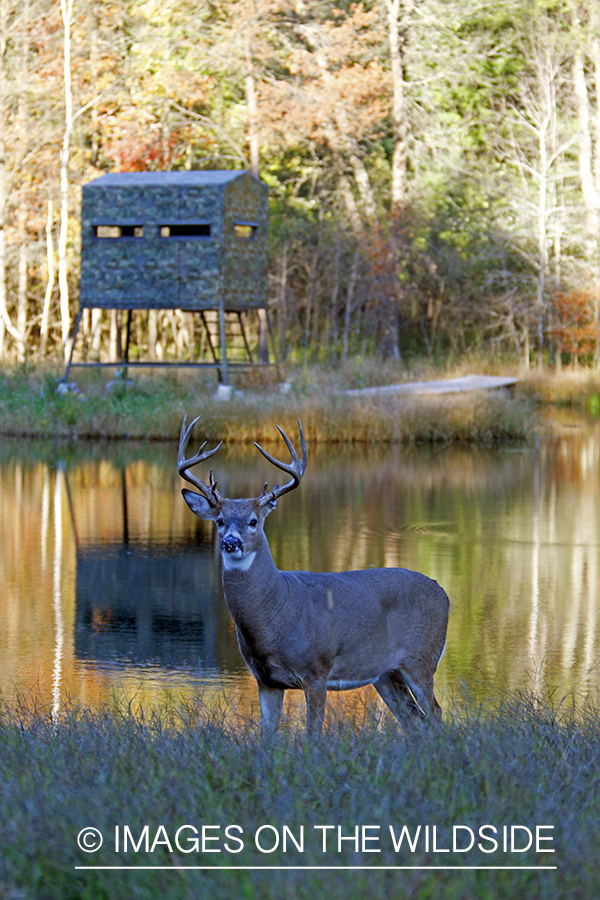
(434, 167)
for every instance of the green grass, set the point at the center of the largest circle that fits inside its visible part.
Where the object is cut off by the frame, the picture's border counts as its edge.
(524, 762)
(152, 407)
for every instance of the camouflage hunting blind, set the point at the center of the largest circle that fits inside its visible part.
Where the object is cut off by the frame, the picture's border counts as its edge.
(174, 240)
(194, 241)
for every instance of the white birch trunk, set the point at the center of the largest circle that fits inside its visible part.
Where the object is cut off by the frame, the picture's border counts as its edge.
(3, 198)
(398, 173)
(586, 175)
(22, 292)
(49, 283)
(66, 7)
(252, 109)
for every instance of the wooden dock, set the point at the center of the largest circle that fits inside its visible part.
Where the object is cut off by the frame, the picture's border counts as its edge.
(447, 386)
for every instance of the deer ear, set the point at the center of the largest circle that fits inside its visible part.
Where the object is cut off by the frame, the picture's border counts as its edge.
(198, 504)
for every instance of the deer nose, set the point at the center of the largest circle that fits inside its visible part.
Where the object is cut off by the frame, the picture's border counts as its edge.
(230, 543)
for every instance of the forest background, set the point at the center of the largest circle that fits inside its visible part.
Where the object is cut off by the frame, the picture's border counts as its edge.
(434, 166)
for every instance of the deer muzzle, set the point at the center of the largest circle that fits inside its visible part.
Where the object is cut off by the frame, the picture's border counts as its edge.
(232, 543)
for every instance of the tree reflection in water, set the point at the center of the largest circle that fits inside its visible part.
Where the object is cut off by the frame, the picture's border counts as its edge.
(111, 585)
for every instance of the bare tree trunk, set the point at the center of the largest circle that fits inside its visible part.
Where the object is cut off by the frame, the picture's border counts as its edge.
(49, 283)
(309, 301)
(397, 14)
(526, 347)
(252, 112)
(282, 305)
(3, 197)
(3, 310)
(594, 53)
(346, 190)
(253, 141)
(363, 182)
(139, 335)
(152, 334)
(396, 39)
(252, 108)
(191, 330)
(84, 326)
(595, 56)
(538, 140)
(542, 247)
(333, 316)
(94, 129)
(66, 7)
(113, 344)
(349, 299)
(263, 336)
(22, 291)
(96, 330)
(18, 332)
(21, 129)
(589, 188)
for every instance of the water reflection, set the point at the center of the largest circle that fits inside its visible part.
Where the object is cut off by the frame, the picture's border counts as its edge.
(142, 606)
(111, 585)
(57, 593)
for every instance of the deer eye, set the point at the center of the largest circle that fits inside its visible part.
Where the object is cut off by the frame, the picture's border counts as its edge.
(220, 523)
(253, 522)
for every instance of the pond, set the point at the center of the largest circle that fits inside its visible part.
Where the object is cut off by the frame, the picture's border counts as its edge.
(111, 587)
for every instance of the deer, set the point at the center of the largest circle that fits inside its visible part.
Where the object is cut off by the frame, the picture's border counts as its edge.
(318, 631)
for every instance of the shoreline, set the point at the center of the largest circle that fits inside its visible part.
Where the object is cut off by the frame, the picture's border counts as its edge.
(333, 408)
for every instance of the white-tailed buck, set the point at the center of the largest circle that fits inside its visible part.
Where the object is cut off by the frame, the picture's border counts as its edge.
(319, 632)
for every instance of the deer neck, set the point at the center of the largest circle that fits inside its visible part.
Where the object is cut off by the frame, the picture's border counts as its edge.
(252, 584)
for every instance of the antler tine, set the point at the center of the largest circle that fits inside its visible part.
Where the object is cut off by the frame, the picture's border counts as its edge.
(209, 493)
(296, 468)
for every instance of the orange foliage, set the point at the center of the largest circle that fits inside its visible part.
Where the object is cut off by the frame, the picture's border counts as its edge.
(143, 149)
(575, 325)
(338, 87)
(137, 143)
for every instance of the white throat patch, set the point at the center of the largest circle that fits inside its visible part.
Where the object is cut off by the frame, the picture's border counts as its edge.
(242, 564)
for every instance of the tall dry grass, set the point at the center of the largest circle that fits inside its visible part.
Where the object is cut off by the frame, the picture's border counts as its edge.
(579, 388)
(153, 408)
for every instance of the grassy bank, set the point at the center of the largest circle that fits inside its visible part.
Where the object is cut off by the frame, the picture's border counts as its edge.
(152, 407)
(577, 388)
(524, 764)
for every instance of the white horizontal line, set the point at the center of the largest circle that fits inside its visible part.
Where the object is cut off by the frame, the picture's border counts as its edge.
(329, 868)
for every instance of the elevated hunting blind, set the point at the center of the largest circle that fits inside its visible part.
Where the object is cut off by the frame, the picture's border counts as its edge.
(193, 241)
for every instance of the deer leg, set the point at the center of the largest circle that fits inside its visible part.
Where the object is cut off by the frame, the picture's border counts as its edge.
(316, 698)
(271, 705)
(422, 691)
(396, 695)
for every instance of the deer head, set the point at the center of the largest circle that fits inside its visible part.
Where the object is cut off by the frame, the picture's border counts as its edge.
(239, 522)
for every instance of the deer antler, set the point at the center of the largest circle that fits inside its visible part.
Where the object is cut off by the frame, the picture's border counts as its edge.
(210, 493)
(296, 468)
